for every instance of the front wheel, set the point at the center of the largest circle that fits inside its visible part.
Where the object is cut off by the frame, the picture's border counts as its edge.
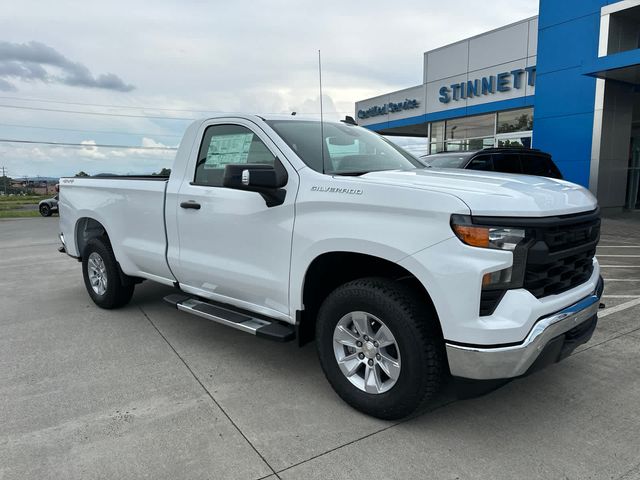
(102, 275)
(45, 210)
(380, 348)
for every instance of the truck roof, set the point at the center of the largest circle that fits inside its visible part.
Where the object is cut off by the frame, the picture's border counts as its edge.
(266, 117)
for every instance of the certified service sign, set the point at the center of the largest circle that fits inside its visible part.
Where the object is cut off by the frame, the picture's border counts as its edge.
(390, 107)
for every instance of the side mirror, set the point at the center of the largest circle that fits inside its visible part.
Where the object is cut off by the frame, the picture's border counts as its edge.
(267, 180)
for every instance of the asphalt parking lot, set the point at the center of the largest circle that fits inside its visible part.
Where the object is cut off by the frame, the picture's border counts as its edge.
(148, 391)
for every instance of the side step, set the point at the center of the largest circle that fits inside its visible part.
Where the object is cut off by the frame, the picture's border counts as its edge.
(260, 327)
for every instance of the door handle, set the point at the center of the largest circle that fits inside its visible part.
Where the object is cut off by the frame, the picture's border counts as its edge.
(190, 204)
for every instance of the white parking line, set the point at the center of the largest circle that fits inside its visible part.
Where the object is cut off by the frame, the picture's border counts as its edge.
(619, 266)
(622, 279)
(621, 296)
(619, 308)
(618, 246)
(623, 256)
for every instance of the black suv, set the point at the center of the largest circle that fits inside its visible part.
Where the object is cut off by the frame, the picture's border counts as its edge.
(507, 160)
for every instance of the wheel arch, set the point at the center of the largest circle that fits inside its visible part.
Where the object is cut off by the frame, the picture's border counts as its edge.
(86, 229)
(329, 270)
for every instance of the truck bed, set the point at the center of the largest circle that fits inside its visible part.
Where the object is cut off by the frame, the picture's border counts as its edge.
(134, 206)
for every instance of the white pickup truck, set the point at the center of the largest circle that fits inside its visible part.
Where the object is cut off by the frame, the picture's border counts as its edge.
(290, 228)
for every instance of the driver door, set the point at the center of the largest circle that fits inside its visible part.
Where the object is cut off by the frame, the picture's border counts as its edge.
(233, 247)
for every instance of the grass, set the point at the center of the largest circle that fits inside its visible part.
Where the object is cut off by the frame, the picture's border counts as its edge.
(17, 206)
(19, 213)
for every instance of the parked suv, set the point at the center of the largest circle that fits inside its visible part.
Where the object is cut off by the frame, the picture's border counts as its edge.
(507, 160)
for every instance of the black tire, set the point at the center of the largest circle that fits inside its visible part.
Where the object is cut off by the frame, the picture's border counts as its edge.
(45, 210)
(116, 294)
(414, 327)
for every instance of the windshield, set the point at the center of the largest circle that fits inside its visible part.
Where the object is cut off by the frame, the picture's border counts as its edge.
(446, 161)
(348, 149)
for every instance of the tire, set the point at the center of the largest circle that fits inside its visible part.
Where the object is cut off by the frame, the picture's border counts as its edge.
(417, 355)
(45, 210)
(99, 262)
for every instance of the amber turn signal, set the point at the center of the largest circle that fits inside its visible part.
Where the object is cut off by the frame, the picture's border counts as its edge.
(472, 235)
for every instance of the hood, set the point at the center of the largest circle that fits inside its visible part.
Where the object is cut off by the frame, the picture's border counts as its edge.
(495, 194)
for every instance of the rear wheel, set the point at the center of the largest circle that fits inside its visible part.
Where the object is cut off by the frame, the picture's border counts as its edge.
(379, 347)
(45, 210)
(102, 276)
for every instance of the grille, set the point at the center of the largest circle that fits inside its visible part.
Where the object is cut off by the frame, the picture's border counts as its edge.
(561, 256)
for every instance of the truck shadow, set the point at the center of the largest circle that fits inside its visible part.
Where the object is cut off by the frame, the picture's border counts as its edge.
(221, 356)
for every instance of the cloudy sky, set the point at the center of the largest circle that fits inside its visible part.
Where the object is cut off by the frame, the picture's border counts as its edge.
(133, 73)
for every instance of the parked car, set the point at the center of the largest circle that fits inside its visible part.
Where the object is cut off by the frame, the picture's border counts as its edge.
(528, 161)
(404, 275)
(48, 207)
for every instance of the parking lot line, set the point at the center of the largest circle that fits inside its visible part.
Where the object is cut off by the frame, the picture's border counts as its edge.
(619, 266)
(619, 308)
(623, 256)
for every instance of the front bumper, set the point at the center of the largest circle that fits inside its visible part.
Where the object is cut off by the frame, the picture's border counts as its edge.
(551, 339)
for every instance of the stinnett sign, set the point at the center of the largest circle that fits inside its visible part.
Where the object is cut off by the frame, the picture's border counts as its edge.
(502, 82)
(390, 107)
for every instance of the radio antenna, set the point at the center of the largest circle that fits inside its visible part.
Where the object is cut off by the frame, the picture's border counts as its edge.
(321, 112)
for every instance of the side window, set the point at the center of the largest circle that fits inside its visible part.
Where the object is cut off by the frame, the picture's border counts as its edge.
(507, 163)
(539, 165)
(481, 162)
(228, 144)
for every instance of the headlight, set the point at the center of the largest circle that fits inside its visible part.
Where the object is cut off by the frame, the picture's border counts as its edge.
(501, 238)
(512, 239)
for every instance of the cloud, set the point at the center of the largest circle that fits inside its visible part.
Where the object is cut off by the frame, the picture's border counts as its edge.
(311, 107)
(27, 61)
(6, 86)
(28, 160)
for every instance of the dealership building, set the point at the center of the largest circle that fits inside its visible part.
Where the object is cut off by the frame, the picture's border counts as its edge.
(566, 82)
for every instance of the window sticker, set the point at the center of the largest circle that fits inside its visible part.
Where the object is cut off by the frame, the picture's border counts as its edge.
(226, 149)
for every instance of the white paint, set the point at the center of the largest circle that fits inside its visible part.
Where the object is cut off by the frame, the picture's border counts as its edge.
(621, 296)
(619, 308)
(622, 279)
(619, 266)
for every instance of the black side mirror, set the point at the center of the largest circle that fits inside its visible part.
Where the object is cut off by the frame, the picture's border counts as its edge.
(267, 180)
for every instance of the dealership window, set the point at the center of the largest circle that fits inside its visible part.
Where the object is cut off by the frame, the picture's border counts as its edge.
(512, 128)
(470, 133)
(469, 144)
(471, 127)
(515, 121)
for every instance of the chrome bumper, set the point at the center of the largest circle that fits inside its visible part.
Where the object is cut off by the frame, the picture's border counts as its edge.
(489, 363)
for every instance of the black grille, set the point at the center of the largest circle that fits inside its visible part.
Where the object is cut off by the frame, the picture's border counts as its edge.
(561, 254)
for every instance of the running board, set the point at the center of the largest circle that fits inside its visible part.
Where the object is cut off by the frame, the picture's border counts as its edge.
(260, 327)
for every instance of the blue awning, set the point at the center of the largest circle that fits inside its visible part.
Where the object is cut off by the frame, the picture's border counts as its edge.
(622, 67)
